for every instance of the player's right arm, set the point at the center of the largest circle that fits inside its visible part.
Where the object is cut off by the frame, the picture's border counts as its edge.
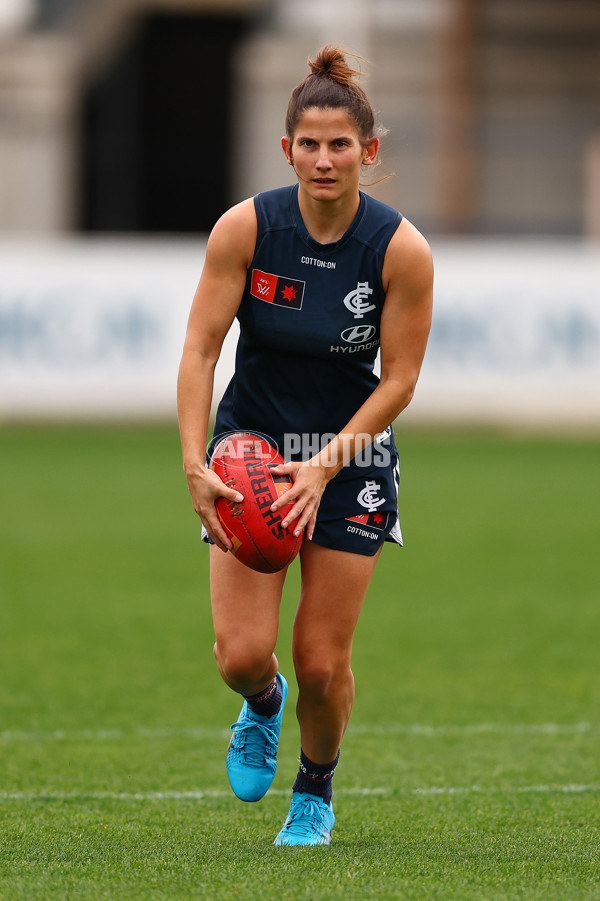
(229, 253)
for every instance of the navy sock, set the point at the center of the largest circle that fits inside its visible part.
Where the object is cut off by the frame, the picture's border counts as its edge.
(315, 778)
(268, 701)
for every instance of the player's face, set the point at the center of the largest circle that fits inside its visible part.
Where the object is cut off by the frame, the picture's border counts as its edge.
(327, 153)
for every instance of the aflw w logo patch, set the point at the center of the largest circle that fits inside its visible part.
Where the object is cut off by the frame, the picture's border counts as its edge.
(284, 292)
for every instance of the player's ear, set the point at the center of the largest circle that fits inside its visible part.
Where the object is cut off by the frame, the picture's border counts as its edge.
(370, 152)
(287, 149)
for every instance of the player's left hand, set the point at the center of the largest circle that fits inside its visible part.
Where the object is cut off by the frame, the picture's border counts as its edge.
(310, 481)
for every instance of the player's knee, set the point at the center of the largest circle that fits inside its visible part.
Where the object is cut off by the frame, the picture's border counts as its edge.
(317, 671)
(242, 667)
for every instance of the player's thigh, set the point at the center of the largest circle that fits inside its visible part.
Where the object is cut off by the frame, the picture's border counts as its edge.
(245, 604)
(334, 587)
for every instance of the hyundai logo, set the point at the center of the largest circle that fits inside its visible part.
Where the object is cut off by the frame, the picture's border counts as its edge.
(358, 334)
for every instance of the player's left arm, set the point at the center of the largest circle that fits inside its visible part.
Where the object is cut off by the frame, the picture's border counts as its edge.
(405, 324)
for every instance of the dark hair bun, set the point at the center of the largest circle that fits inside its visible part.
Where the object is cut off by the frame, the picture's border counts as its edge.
(330, 62)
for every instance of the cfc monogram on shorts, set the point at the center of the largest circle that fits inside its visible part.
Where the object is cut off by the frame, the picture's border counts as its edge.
(364, 523)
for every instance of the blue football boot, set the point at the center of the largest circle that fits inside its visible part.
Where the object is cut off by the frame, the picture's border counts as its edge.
(309, 822)
(252, 752)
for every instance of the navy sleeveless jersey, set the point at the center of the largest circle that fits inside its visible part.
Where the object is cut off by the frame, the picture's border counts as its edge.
(309, 327)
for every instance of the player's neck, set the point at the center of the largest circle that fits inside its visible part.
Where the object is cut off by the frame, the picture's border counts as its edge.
(327, 221)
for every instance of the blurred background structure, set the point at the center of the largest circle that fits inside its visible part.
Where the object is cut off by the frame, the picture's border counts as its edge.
(155, 115)
(151, 117)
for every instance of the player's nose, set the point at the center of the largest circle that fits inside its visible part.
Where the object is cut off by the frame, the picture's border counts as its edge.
(323, 161)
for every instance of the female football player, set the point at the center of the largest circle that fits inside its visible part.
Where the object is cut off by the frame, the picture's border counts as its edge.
(321, 277)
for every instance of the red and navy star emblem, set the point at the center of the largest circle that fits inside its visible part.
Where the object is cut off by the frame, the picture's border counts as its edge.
(278, 290)
(371, 520)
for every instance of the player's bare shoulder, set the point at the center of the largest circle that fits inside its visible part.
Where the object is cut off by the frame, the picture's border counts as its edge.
(233, 237)
(408, 259)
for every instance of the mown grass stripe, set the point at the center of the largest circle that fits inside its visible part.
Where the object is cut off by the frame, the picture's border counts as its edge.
(198, 732)
(200, 795)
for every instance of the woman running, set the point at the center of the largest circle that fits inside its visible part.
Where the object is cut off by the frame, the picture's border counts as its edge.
(321, 277)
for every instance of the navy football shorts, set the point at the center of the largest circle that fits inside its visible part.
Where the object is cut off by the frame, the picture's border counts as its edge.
(358, 514)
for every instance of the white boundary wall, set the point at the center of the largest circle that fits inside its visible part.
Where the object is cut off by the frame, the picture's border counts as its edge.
(94, 329)
(516, 335)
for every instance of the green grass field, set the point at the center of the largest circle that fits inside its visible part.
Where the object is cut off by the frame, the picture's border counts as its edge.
(471, 769)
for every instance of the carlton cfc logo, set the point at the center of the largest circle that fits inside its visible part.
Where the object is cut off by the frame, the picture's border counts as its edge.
(357, 301)
(368, 496)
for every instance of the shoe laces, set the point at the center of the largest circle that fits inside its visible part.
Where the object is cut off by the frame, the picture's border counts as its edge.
(254, 741)
(306, 817)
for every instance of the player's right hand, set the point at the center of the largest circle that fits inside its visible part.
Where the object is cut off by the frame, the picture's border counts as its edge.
(205, 487)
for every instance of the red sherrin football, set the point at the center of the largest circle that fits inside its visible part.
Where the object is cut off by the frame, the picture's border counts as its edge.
(243, 461)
